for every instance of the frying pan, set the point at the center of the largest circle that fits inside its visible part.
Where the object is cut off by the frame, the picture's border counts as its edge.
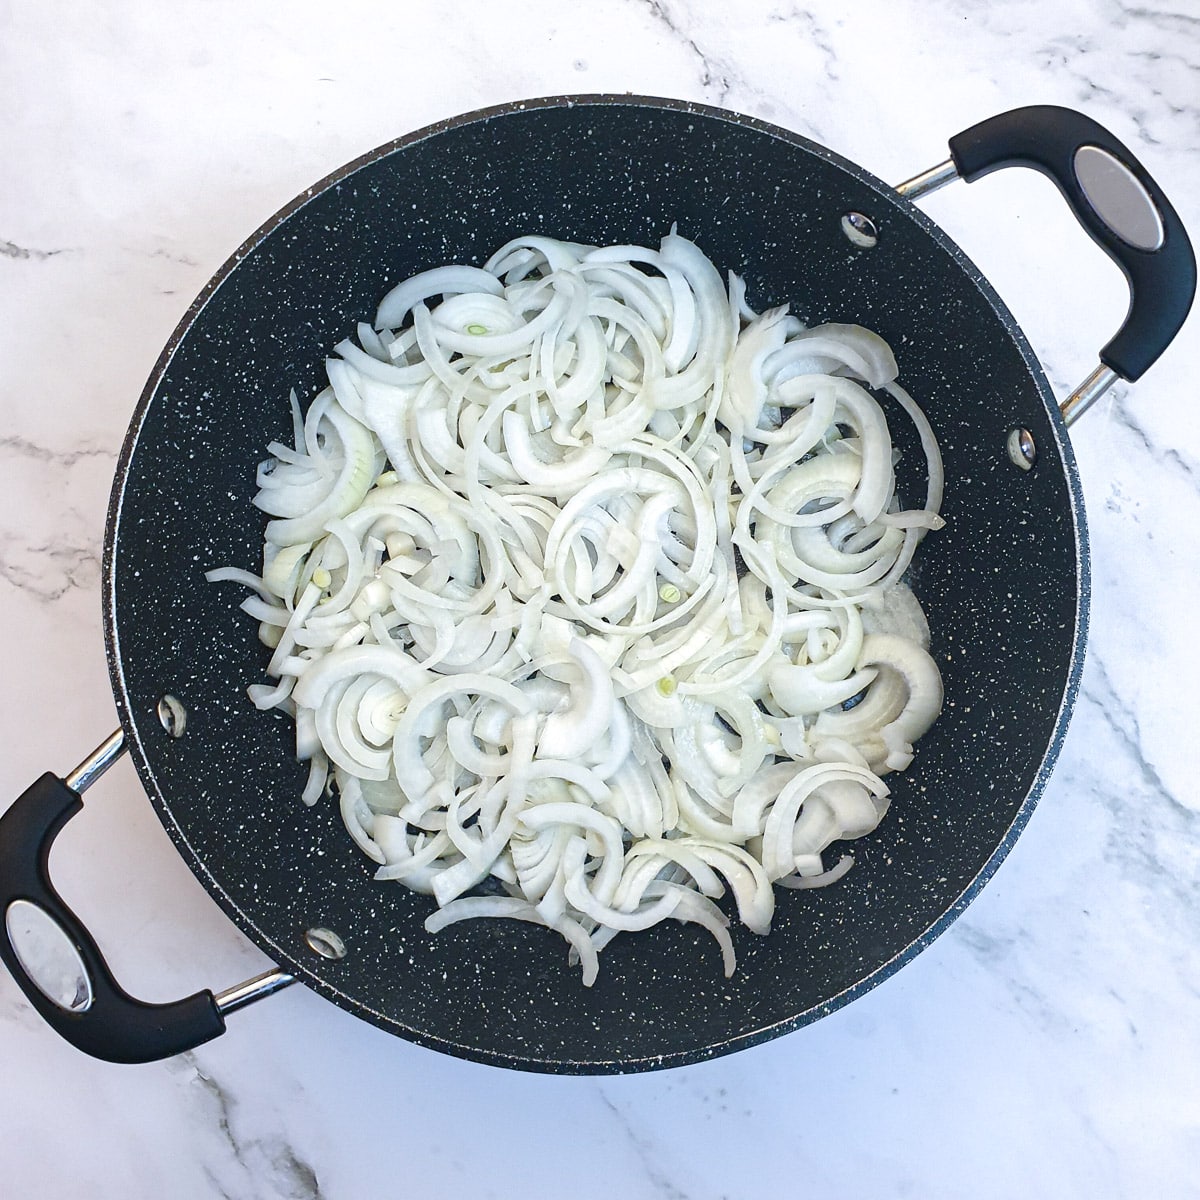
(1005, 585)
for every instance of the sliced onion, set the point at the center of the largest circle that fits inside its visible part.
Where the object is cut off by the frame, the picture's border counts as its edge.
(584, 577)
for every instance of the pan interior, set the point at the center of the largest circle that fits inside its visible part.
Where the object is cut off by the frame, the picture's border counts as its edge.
(1002, 584)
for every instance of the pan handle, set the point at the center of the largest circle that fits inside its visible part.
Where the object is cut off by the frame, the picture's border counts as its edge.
(57, 963)
(1113, 197)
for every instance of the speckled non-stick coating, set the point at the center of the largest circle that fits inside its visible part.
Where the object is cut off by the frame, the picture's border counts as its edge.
(1004, 585)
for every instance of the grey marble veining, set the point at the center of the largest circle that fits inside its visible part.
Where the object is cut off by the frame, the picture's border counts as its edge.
(1046, 1046)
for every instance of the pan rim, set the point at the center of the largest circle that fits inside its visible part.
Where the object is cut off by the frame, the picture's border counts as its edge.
(197, 864)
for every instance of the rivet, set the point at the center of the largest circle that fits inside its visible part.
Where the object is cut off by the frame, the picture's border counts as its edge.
(860, 229)
(173, 715)
(325, 942)
(1022, 450)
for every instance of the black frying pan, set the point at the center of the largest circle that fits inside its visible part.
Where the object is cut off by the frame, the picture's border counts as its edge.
(1005, 585)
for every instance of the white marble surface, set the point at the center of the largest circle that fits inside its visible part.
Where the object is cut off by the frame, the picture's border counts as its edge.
(1047, 1046)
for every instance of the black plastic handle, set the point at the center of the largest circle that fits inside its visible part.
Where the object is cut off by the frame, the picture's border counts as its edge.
(115, 1027)
(1162, 280)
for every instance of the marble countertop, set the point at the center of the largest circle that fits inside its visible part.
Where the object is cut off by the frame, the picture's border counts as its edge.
(1046, 1046)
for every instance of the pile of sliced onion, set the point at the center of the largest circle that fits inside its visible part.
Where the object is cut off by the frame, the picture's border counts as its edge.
(583, 588)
